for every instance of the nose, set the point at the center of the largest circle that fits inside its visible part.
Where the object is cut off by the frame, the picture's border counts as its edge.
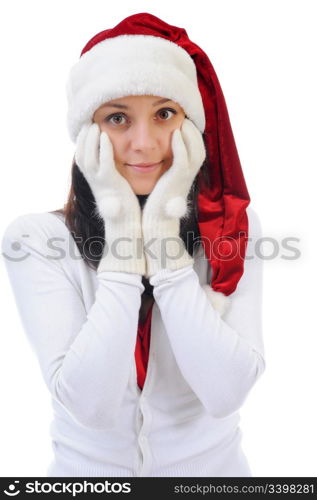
(143, 137)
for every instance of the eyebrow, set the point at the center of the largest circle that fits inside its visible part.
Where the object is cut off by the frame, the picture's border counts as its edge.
(123, 106)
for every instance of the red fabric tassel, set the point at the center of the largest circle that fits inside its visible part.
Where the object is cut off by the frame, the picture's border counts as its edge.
(142, 347)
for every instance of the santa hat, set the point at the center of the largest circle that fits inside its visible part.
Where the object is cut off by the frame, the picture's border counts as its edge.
(143, 55)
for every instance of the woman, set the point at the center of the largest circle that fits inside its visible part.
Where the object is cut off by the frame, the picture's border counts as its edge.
(150, 338)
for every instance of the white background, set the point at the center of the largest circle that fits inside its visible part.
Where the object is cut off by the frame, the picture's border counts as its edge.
(264, 53)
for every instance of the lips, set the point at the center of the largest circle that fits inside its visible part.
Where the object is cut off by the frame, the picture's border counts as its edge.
(144, 167)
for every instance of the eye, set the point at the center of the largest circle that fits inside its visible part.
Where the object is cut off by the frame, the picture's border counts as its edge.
(117, 118)
(114, 116)
(165, 110)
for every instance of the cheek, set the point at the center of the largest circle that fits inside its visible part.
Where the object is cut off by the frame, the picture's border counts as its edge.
(180, 120)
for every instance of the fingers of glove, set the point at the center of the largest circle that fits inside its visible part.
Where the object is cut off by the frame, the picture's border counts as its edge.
(91, 152)
(194, 144)
(107, 168)
(80, 146)
(180, 156)
(174, 182)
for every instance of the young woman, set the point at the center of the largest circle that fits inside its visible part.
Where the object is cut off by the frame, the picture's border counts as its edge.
(147, 324)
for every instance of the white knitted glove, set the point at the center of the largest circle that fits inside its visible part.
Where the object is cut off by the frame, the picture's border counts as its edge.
(167, 203)
(116, 202)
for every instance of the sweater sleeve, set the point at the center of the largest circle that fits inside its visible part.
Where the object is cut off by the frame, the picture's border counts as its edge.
(221, 357)
(85, 358)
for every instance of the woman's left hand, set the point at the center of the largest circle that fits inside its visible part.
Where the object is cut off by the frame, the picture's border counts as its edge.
(167, 203)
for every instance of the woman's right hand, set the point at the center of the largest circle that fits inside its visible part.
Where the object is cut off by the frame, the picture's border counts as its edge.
(116, 202)
(94, 156)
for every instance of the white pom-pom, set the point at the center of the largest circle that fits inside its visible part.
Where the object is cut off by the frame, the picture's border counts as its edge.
(176, 207)
(218, 300)
(109, 207)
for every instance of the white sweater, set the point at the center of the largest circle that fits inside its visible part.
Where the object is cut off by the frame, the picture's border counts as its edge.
(82, 327)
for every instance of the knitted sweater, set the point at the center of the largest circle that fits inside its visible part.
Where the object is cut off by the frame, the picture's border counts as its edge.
(82, 327)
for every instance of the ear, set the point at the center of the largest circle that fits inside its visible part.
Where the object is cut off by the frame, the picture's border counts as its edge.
(218, 300)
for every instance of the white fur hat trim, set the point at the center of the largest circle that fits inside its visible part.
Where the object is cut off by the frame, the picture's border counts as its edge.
(132, 65)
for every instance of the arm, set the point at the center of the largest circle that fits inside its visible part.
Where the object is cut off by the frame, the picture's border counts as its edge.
(220, 357)
(85, 358)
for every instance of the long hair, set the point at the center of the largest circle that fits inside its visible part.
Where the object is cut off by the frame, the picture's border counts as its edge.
(85, 225)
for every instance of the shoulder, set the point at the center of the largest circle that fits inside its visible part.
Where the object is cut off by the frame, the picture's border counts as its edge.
(254, 229)
(34, 230)
(255, 226)
(41, 223)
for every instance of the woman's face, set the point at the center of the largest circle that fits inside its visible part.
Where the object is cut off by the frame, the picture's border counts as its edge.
(140, 129)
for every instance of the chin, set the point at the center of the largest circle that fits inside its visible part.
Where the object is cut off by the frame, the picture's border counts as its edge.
(142, 190)
(143, 186)
(143, 183)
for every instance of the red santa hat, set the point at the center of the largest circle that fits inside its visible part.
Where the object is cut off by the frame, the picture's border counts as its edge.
(143, 55)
